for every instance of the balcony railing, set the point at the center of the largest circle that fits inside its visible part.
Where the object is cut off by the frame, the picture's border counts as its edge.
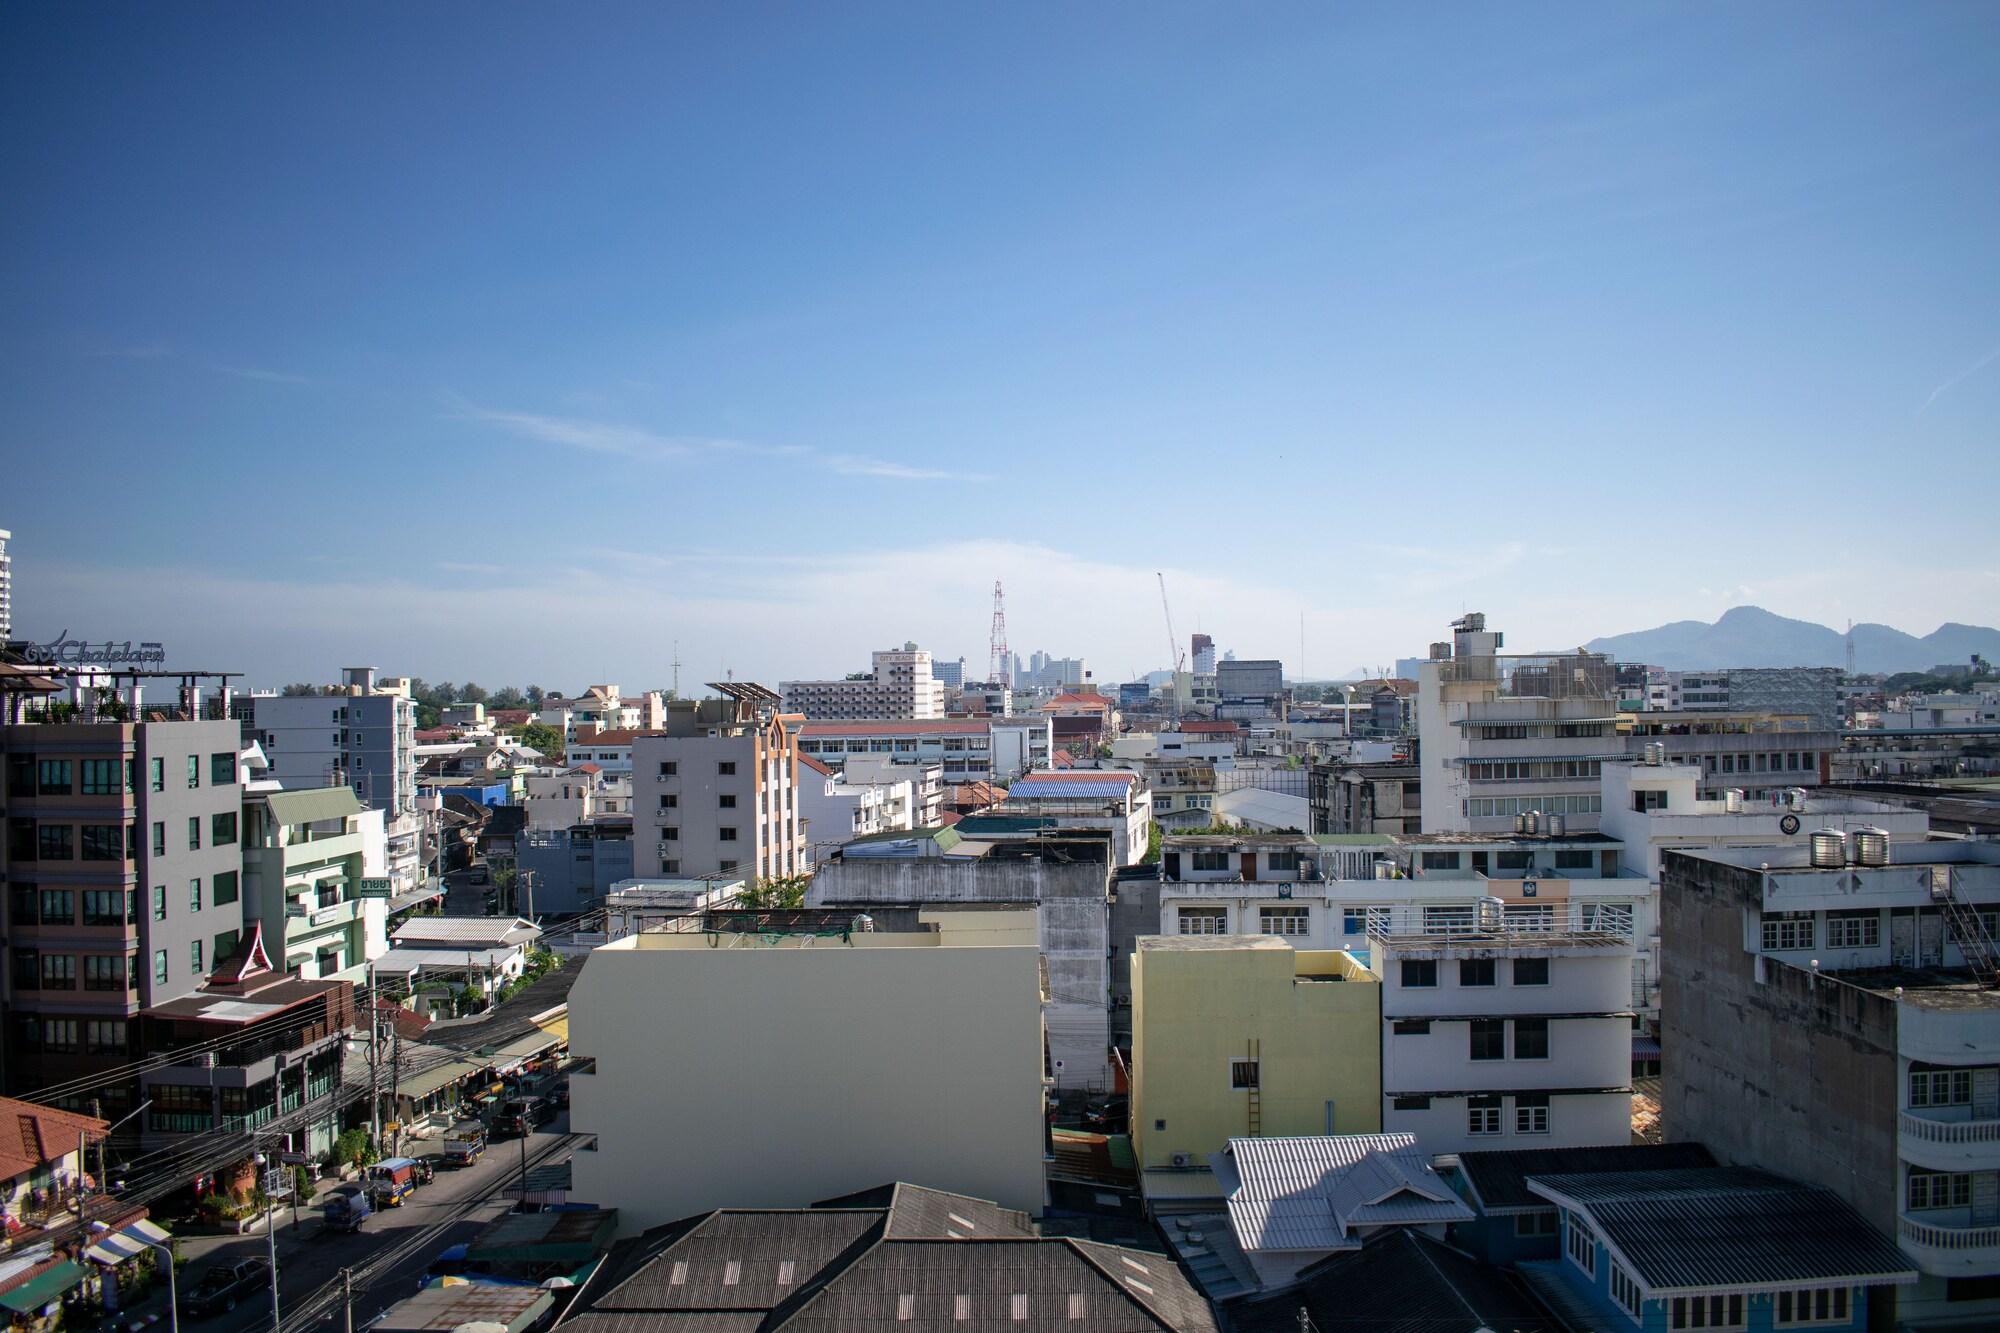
(1949, 1131)
(1949, 1238)
(1490, 921)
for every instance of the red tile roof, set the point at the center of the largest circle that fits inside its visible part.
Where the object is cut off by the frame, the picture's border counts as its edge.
(435, 735)
(1093, 701)
(615, 736)
(31, 1135)
(1062, 759)
(926, 727)
(815, 765)
(510, 717)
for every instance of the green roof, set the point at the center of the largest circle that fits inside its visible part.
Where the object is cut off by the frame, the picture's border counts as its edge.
(310, 807)
(1354, 839)
(36, 1292)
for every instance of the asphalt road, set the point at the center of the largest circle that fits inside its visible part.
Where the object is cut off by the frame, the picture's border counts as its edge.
(388, 1255)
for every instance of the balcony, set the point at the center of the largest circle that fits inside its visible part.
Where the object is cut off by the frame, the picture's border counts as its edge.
(1948, 1145)
(1950, 1250)
(1555, 923)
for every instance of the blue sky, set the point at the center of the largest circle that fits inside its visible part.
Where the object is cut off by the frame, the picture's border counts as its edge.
(517, 343)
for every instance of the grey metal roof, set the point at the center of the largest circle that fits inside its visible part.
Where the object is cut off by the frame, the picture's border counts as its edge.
(1708, 1227)
(1313, 1193)
(1499, 1180)
(736, 1260)
(1400, 1282)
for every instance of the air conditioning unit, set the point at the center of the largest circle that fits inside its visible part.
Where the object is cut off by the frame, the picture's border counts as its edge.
(1183, 1159)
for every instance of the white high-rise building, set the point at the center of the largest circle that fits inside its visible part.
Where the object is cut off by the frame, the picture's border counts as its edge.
(6, 588)
(1509, 735)
(901, 685)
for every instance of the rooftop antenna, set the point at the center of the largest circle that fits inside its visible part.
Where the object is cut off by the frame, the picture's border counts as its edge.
(1001, 665)
(1850, 647)
(677, 668)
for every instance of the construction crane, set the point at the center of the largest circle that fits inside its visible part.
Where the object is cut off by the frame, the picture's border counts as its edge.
(1174, 654)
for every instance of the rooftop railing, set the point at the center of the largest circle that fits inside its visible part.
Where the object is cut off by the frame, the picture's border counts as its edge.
(1492, 920)
(1565, 676)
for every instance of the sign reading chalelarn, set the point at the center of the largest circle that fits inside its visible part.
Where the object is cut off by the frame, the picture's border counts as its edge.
(65, 651)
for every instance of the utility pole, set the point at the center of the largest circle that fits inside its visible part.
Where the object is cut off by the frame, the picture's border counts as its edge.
(526, 1129)
(271, 1239)
(374, 1064)
(527, 878)
(97, 1114)
(347, 1296)
(396, 1079)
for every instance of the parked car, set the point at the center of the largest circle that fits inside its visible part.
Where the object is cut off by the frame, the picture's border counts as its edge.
(347, 1208)
(226, 1286)
(521, 1116)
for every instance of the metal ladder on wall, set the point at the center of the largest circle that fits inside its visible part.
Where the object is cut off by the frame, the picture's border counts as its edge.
(1255, 1106)
(1968, 930)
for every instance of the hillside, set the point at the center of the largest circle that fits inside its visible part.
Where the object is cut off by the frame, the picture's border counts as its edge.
(1749, 636)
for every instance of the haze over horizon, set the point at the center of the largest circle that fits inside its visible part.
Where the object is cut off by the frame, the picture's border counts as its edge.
(524, 346)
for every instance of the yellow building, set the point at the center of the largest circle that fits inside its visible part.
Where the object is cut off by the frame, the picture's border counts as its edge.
(1241, 1036)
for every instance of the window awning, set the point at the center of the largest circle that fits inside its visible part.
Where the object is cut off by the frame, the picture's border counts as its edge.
(429, 1081)
(38, 1291)
(132, 1240)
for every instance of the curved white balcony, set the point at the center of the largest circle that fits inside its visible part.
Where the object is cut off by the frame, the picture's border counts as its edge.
(1948, 1145)
(1950, 1251)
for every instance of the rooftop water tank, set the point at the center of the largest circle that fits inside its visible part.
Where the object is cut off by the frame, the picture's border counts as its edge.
(1556, 826)
(1870, 846)
(1829, 849)
(1492, 912)
(1732, 800)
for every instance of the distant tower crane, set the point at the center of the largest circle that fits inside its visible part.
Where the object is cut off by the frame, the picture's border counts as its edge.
(1174, 653)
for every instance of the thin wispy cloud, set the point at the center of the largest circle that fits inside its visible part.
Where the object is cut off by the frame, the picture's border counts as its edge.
(1959, 379)
(610, 437)
(262, 376)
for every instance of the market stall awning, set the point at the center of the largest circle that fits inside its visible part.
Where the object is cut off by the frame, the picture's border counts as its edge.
(132, 1240)
(415, 1086)
(39, 1290)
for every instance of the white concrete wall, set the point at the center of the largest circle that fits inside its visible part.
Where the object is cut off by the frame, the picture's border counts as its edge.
(789, 1075)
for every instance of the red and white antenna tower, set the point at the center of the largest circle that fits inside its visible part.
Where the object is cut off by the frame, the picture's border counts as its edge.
(1002, 664)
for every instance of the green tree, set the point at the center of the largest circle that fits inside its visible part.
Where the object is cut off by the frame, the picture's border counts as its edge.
(1152, 856)
(778, 893)
(535, 696)
(542, 737)
(506, 698)
(471, 694)
(299, 689)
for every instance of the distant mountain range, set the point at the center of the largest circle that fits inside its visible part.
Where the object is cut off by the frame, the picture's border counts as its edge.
(1749, 636)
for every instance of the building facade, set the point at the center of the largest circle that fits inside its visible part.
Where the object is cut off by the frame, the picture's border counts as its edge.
(899, 684)
(123, 867)
(304, 872)
(717, 791)
(1837, 1022)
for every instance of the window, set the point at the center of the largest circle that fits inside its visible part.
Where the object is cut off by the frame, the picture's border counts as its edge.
(58, 907)
(194, 956)
(1827, 1305)
(159, 967)
(1281, 920)
(222, 888)
(159, 902)
(668, 768)
(104, 972)
(222, 828)
(104, 1036)
(194, 833)
(1625, 1291)
(101, 777)
(1531, 971)
(103, 907)
(1440, 860)
(1788, 930)
(1476, 972)
(726, 866)
(194, 771)
(961, 1308)
(104, 842)
(52, 777)
(1283, 861)
(1531, 1039)
(1412, 1103)
(1242, 1075)
(727, 801)
(1710, 1312)
(1574, 859)
(1489, 1038)
(222, 769)
(669, 801)
(1203, 921)
(58, 971)
(59, 1035)
(1353, 920)
(670, 834)
(725, 835)
(1940, 1087)
(1514, 860)
(726, 768)
(1531, 1113)
(1482, 1115)
(1581, 1245)
(225, 947)
(1935, 1189)
(1541, 1222)
(1420, 972)
(159, 838)
(156, 774)
(1412, 1027)
(1853, 930)
(1209, 858)
(194, 895)
(54, 842)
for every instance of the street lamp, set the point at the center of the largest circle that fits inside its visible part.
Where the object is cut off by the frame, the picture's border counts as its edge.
(271, 1236)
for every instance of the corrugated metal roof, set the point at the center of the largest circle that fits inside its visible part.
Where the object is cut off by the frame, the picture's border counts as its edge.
(310, 807)
(452, 930)
(1500, 1179)
(1311, 1193)
(1721, 1227)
